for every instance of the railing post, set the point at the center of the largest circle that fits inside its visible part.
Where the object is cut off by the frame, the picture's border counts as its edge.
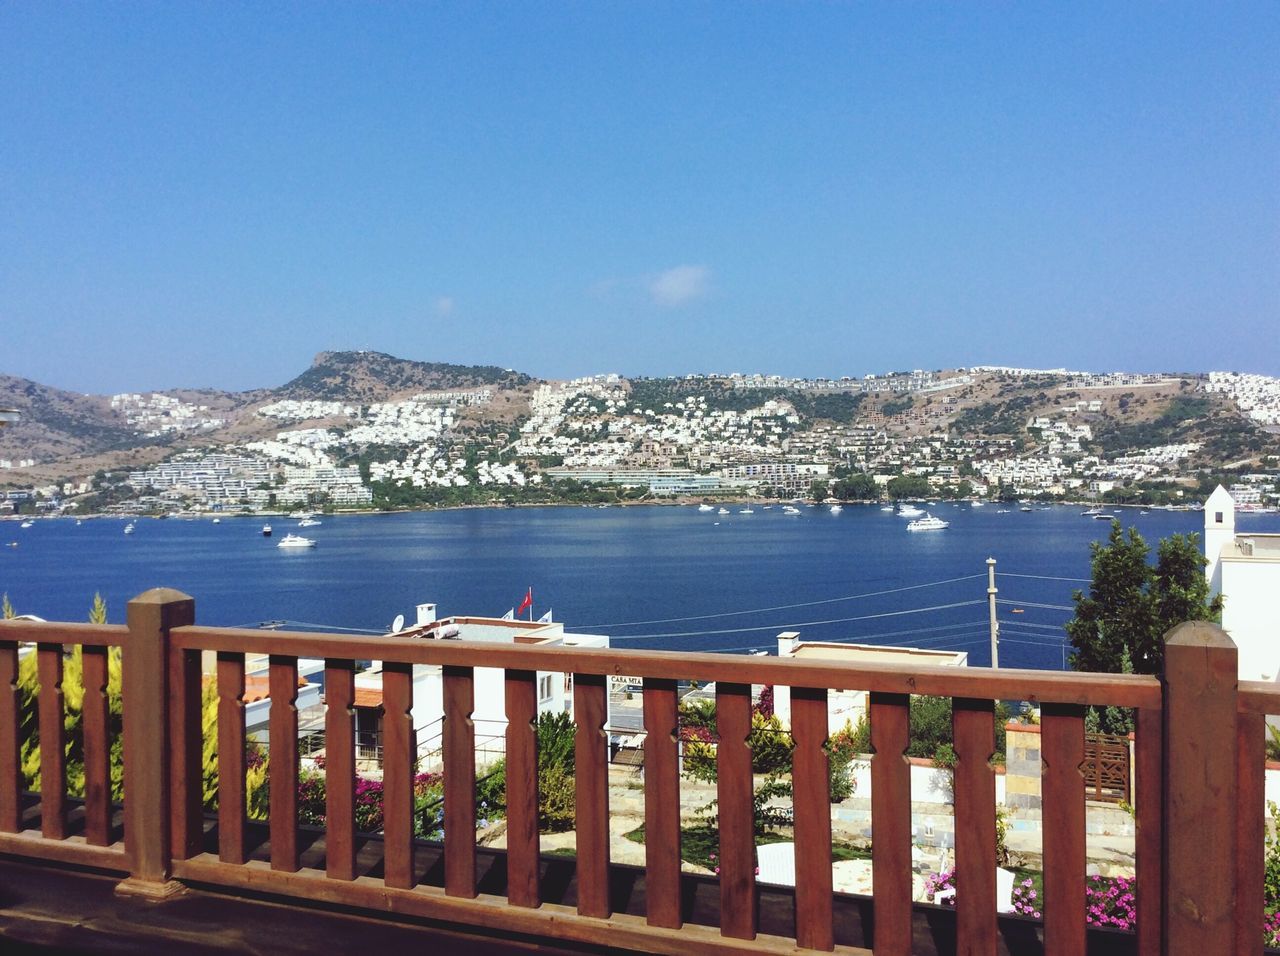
(1200, 689)
(145, 694)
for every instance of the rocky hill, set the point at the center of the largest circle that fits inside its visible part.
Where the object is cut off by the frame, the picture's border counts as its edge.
(375, 377)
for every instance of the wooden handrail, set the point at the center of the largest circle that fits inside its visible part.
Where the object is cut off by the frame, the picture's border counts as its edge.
(62, 632)
(1116, 690)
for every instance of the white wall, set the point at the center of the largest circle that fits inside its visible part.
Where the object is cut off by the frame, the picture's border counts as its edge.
(1249, 615)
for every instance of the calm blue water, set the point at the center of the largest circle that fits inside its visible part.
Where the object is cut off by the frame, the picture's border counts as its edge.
(601, 570)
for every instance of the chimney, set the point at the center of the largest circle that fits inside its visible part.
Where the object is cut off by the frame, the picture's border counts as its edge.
(426, 614)
(788, 641)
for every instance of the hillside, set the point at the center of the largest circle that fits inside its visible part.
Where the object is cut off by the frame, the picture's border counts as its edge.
(57, 423)
(376, 377)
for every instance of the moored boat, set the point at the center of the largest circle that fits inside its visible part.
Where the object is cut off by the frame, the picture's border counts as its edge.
(928, 523)
(295, 541)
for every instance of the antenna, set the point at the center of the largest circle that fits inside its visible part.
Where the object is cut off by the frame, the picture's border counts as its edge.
(398, 624)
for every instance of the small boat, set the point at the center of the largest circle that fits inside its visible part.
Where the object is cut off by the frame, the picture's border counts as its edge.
(706, 507)
(745, 511)
(1102, 517)
(910, 511)
(1091, 513)
(1144, 512)
(26, 524)
(1002, 511)
(928, 523)
(888, 508)
(308, 523)
(266, 530)
(217, 521)
(295, 541)
(79, 522)
(836, 509)
(128, 529)
(723, 511)
(1026, 508)
(1018, 610)
(977, 504)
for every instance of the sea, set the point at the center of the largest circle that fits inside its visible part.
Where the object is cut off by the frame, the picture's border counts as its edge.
(653, 577)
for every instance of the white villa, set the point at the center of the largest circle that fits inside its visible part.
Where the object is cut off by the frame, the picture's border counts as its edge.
(1245, 569)
(849, 705)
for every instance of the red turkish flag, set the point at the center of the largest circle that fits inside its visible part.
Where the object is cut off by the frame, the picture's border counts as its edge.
(528, 600)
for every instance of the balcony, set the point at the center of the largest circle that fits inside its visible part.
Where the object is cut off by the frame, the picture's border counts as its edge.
(1199, 749)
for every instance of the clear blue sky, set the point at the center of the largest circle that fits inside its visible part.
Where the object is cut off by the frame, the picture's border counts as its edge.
(209, 193)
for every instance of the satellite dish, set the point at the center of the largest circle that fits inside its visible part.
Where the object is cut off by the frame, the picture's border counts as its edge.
(398, 624)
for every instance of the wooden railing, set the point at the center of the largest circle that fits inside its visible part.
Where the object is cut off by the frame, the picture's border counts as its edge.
(1198, 839)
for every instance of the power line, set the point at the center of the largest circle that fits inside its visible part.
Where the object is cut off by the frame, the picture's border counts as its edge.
(774, 627)
(783, 607)
(1043, 577)
(331, 627)
(1042, 627)
(1051, 607)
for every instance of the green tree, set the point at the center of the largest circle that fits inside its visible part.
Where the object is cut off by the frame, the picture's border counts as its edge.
(1120, 625)
(908, 486)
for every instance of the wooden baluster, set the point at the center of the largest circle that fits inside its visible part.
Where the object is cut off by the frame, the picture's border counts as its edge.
(973, 727)
(1148, 800)
(591, 794)
(522, 788)
(398, 754)
(1251, 755)
(53, 773)
(10, 743)
(97, 748)
(735, 793)
(186, 743)
(459, 783)
(1062, 787)
(231, 758)
(661, 803)
(891, 823)
(811, 800)
(282, 730)
(340, 769)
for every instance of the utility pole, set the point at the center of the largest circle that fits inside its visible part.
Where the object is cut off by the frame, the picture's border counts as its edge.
(991, 605)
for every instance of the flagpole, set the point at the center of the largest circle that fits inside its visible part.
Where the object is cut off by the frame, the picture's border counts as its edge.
(530, 603)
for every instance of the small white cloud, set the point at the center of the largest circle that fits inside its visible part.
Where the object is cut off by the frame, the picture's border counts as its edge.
(444, 305)
(678, 286)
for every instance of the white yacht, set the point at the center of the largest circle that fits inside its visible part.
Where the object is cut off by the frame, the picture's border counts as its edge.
(266, 530)
(706, 507)
(790, 510)
(1092, 512)
(888, 508)
(295, 541)
(977, 504)
(927, 523)
(723, 511)
(836, 509)
(745, 511)
(308, 523)
(910, 511)
(128, 529)
(26, 524)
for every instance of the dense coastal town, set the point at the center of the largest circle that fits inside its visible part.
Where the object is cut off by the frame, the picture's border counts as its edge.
(993, 432)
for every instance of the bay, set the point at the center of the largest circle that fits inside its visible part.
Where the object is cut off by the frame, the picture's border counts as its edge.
(653, 577)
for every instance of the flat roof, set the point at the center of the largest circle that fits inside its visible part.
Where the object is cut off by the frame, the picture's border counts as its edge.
(876, 653)
(1252, 547)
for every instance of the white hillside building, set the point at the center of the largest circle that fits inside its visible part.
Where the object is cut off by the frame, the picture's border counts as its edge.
(1245, 569)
